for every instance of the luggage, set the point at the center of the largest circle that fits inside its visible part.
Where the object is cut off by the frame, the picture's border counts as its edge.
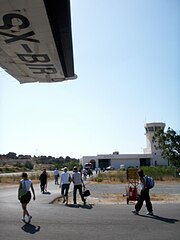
(86, 193)
(149, 182)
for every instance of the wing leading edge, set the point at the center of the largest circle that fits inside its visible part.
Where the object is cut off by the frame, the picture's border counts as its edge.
(36, 40)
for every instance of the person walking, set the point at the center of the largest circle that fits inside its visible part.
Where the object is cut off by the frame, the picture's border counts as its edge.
(78, 183)
(65, 180)
(43, 181)
(56, 176)
(84, 172)
(24, 195)
(144, 195)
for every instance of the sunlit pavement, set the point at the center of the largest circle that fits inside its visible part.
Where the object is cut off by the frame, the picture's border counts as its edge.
(106, 221)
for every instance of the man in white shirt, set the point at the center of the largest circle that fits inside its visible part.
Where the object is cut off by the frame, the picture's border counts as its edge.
(65, 181)
(78, 182)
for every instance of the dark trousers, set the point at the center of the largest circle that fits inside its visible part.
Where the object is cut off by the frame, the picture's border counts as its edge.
(56, 179)
(77, 187)
(144, 196)
(65, 189)
(42, 186)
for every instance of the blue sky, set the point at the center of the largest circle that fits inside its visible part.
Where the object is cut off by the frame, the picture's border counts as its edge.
(127, 57)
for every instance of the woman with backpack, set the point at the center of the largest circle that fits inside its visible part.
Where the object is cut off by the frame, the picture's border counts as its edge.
(144, 195)
(24, 195)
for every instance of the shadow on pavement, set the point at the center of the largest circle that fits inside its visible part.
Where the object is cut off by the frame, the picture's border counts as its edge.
(29, 228)
(163, 219)
(46, 193)
(87, 206)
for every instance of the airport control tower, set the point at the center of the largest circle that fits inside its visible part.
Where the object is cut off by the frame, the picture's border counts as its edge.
(150, 129)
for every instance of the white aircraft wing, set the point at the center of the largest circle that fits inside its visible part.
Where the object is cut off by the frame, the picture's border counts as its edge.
(36, 40)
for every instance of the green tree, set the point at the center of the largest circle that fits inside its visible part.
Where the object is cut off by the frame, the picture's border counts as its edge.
(169, 143)
(11, 155)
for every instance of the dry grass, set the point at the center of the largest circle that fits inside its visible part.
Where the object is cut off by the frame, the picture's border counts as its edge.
(119, 199)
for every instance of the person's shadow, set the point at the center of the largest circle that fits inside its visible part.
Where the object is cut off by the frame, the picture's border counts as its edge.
(87, 206)
(167, 220)
(46, 192)
(29, 228)
(163, 219)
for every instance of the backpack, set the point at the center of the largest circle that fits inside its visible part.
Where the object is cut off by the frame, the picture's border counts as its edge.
(149, 182)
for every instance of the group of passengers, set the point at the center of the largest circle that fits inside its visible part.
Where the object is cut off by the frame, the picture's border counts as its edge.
(24, 193)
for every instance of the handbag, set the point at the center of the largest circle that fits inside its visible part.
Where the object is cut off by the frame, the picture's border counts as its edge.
(86, 193)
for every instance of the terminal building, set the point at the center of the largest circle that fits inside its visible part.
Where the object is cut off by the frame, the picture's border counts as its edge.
(150, 156)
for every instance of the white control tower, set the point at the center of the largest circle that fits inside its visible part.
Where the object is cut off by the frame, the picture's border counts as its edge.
(150, 129)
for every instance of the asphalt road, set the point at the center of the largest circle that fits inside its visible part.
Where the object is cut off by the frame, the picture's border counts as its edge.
(94, 221)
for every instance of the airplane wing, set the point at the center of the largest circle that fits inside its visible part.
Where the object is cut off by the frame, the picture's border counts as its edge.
(36, 40)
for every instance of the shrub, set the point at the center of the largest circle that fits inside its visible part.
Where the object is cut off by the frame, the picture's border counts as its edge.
(160, 173)
(28, 165)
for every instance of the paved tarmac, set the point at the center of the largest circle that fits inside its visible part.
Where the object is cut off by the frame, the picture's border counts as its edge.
(94, 221)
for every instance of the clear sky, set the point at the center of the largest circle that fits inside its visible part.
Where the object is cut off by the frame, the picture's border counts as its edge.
(127, 58)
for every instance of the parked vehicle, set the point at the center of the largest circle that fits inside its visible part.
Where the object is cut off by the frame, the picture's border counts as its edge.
(88, 166)
(109, 168)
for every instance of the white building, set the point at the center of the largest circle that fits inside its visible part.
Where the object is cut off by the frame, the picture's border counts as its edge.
(150, 157)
